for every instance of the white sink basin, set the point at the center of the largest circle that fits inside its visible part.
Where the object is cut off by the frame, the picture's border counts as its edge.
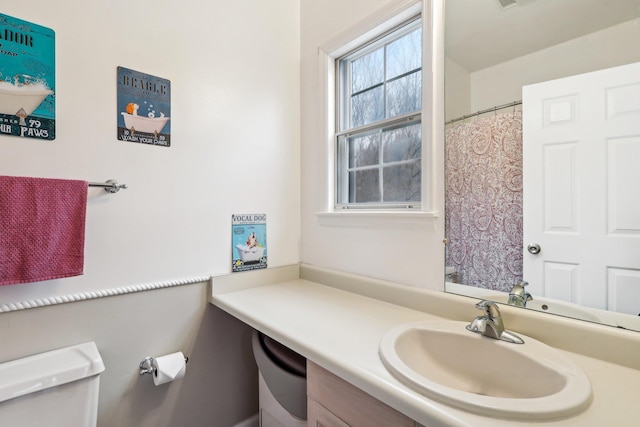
(445, 362)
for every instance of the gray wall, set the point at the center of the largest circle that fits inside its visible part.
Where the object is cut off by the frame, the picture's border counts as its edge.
(220, 385)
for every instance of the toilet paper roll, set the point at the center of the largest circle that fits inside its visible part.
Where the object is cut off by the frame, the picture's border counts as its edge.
(168, 368)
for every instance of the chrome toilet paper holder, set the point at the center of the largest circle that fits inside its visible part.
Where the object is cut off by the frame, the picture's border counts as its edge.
(146, 366)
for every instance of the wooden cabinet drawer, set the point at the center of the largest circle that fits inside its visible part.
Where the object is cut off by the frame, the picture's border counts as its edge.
(333, 402)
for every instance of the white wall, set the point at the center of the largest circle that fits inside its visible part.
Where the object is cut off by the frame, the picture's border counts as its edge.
(503, 83)
(457, 87)
(234, 75)
(404, 250)
(234, 72)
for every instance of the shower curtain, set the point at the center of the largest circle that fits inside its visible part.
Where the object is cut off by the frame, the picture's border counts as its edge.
(483, 204)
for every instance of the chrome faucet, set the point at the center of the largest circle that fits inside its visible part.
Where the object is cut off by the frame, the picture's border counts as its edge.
(490, 325)
(518, 296)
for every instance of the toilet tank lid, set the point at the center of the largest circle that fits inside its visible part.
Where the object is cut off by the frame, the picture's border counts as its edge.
(45, 370)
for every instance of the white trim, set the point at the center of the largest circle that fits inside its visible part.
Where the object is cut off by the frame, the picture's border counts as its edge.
(378, 219)
(376, 23)
(43, 302)
(379, 214)
(327, 192)
(428, 106)
(435, 23)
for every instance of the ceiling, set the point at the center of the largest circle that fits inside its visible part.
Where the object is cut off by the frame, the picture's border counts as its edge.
(475, 28)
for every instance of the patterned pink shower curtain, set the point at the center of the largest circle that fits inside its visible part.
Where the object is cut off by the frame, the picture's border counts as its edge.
(484, 201)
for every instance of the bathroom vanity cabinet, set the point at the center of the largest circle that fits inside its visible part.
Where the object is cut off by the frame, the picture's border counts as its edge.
(333, 402)
(347, 383)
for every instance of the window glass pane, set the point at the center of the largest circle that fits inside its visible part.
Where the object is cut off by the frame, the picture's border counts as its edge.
(402, 182)
(404, 54)
(364, 150)
(364, 186)
(367, 71)
(378, 83)
(402, 143)
(367, 107)
(404, 95)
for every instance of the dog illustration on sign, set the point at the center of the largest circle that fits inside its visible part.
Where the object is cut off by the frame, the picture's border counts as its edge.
(149, 124)
(252, 251)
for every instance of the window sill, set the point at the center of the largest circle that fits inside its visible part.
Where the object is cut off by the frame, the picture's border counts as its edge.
(373, 218)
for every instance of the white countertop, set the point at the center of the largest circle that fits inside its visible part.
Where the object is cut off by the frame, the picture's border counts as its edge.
(340, 330)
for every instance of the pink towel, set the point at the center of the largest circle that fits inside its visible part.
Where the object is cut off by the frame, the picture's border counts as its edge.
(42, 224)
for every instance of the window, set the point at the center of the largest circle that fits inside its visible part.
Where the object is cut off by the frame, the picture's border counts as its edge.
(378, 136)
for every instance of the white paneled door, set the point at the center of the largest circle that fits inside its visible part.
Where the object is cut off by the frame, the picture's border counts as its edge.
(581, 180)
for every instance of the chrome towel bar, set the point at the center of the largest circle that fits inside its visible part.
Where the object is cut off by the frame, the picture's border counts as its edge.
(110, 186)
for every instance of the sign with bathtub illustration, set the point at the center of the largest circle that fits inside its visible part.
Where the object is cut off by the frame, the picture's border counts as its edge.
(27, 79)
(144, 108)
(249, 242)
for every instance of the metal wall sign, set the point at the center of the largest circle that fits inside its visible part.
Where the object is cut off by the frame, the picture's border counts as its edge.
(144, 108)
(27, 79)
(249, 242)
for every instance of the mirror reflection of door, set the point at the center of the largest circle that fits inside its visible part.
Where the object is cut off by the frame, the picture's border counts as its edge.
(491, 54)
(581, 171)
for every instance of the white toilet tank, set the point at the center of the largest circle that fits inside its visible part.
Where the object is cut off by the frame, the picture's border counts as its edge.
(58, 388)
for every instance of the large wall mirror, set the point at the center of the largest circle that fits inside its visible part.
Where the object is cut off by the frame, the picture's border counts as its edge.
(542, 106)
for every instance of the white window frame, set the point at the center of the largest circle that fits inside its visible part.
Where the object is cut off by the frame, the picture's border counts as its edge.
(376, 24)
(344, 131)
